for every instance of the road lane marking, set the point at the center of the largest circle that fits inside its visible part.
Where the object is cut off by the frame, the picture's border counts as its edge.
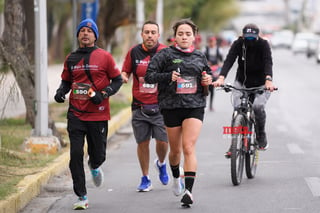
(294, 148)
(314, 185)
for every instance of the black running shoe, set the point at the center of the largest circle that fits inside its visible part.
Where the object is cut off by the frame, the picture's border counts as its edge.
(264, 147)
(262, 141)
(187, 199)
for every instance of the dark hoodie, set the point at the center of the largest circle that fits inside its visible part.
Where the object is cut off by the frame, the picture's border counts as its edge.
(254, 61)
(190, 64)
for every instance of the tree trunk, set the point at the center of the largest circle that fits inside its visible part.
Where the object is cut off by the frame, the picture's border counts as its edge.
(15, 48)
(112, 14)
(56, 49)
(28, 6)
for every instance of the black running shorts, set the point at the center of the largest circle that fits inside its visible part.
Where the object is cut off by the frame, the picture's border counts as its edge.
(175, 117)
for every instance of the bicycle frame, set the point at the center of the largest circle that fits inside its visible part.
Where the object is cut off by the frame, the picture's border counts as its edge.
(245, 109)
(243, 145)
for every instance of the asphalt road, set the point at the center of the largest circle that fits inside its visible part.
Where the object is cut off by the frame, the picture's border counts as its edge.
(288, 175)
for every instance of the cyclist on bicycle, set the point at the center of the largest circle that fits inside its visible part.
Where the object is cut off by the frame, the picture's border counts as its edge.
(254, 70)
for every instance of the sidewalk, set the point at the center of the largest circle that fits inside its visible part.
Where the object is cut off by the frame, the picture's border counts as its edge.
(31, 185)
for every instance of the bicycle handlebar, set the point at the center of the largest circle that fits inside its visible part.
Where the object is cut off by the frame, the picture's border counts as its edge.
(229, 87)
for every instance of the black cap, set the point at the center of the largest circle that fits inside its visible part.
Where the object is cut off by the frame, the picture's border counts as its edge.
(250, 30)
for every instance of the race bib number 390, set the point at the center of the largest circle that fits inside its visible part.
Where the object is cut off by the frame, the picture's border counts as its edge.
(186, 85)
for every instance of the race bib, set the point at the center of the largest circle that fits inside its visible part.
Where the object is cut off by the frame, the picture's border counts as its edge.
(147, 88)
(186, 85)
(80, 91)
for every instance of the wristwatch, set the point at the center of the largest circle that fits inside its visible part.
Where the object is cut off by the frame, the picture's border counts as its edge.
(268, 79)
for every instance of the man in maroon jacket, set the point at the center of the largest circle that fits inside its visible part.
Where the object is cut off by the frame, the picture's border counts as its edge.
(147, 121)
(91, 75)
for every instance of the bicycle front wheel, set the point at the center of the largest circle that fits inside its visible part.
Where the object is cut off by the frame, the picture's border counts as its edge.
(252, 154)
(237, 150)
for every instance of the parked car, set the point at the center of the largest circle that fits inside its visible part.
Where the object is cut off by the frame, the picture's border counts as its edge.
(312, 47)
(301, 42)
(282, 39)
(317, 54)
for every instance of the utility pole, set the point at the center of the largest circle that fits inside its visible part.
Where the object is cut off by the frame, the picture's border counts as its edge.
(74, 24)
(160, 18)
(140, 18)
(42, 140)
(287, 13)
(41, 67)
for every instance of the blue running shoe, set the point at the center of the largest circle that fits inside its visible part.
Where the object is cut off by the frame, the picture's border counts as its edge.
(145, 185)
(163, 176)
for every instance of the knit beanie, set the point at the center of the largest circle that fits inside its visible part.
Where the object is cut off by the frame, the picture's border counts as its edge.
(88, 23)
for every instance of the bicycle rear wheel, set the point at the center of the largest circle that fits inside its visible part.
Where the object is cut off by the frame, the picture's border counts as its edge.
(252, 154)
(237, 150)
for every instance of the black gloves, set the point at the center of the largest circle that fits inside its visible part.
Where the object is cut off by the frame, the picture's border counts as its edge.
(63, 89)
(60, 96)
(97, 98)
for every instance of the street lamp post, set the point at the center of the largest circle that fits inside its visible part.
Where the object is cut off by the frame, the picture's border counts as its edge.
(42, 140)
(140, 17)
(160, 18)
(41, 67)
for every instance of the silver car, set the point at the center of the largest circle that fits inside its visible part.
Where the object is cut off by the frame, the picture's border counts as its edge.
(301, 42)
(317, 54)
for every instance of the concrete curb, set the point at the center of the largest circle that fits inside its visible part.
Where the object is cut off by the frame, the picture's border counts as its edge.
(30, 186)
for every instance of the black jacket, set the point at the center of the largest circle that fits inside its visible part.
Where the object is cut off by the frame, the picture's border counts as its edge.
(190, 64)
(254, 61)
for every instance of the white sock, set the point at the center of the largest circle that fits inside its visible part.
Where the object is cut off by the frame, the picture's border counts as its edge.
(161, 164)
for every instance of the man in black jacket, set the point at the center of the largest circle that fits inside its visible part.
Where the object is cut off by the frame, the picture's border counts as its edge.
(254, 70)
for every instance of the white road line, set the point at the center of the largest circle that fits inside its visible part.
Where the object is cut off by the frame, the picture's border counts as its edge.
(294, 148)
(314, 185)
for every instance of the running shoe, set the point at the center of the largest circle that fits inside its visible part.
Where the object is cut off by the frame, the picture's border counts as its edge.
(264, 147)
(145, 185)
(97, 175)
(187, 199)
(177, 186)
(81, 204)
(227, 154)
(163, 175)
(262, 141)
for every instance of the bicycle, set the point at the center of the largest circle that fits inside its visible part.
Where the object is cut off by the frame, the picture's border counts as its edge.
(244, 146)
